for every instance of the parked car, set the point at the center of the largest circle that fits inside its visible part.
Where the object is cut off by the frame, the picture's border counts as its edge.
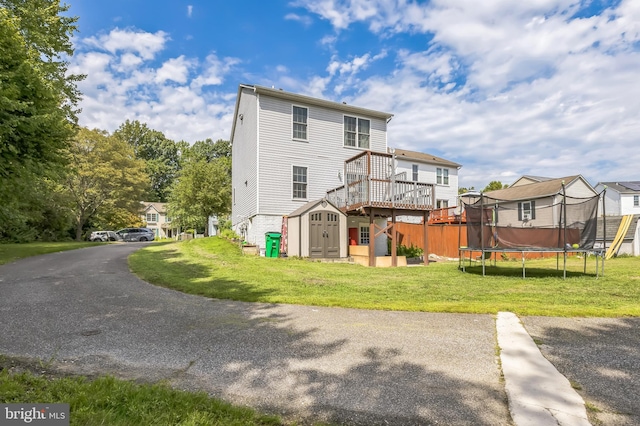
(136, 234)
(103, 236)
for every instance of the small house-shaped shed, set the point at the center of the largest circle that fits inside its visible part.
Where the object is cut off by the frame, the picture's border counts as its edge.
(317, 229)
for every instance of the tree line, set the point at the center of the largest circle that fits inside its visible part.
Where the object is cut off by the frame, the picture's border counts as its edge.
(59, 180)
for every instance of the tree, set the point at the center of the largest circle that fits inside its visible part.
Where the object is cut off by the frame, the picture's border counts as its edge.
(106, 178)
(38, 101)
(464, 190)
(161, 156)
(208, 150)
(494, 185)
(203, 189)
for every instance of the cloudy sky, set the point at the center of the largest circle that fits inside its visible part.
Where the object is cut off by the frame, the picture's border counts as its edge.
(503, 87)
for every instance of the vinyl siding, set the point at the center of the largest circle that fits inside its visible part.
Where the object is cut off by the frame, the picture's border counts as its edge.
(427, 174)
(323, 154)
(245, 160)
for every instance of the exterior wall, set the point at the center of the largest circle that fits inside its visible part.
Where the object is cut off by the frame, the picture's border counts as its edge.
(427, 174)
(579, 189)
(293, 236)
(626, 205)
(259, 225)
(380, 241)
(244, 203)
(323, 153)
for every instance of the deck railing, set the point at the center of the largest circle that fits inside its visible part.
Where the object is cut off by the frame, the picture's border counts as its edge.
(371, 181)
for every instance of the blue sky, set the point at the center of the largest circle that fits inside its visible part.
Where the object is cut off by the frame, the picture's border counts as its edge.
(503, 87)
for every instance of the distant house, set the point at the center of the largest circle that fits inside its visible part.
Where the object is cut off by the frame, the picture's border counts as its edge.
(156, 218)
(621, 198)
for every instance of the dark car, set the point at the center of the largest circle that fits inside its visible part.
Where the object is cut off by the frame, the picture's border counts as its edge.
(136, 234)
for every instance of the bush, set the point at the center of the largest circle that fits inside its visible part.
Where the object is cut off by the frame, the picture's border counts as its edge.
(411, 251)
(229, 234)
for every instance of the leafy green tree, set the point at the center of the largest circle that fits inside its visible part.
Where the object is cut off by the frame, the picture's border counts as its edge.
(208, 150)
(202, 189)
(464, 190)
(106, 178)
(161, 156)
(494, 185)
(38, 101)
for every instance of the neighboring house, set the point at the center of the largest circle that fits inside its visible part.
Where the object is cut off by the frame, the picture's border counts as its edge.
(422, 167)
(156, 218)
(621, 198)
(288, 150)
(534, 214)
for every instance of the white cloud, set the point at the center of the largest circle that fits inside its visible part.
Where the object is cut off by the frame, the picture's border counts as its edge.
(144, 44)
(176, 70)
(215, 71)
(189, 11)
(304, 20)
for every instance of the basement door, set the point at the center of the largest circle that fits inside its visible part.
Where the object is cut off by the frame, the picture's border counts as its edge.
(324, 235)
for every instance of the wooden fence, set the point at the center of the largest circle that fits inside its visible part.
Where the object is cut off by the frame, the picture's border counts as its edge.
(444, 240)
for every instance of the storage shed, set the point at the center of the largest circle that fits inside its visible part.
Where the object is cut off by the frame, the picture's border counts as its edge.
(317, 229)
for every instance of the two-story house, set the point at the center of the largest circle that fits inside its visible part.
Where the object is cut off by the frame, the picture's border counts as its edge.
(290, 151)
(154, 215)
(622, 199)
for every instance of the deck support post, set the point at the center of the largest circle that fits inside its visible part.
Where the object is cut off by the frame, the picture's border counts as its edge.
(394, 239)
(425, 229)
(372, 238)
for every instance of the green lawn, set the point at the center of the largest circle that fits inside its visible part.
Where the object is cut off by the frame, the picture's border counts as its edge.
(216, 268)
(11, 252)
(109, 401)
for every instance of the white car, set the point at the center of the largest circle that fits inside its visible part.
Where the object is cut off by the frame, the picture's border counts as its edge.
(103, 236)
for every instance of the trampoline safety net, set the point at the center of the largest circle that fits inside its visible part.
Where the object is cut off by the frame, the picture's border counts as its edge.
(552, 223)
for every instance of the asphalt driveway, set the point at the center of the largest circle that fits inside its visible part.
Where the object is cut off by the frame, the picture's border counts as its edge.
(84, 311)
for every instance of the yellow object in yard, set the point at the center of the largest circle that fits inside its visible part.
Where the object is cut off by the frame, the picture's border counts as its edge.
(617, 241)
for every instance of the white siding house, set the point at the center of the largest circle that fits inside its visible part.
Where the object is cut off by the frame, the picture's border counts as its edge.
(621, 198)
(289, 149)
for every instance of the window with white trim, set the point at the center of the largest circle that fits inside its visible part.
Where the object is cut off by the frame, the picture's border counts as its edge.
(442, 204)
(356, 132)
(414, 170)
(442, 176)
(364, 235)
(152, 217)
(526, 210)
(300, 115)
(299, 183)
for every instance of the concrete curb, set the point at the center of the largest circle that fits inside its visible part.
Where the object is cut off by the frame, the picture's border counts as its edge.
(538, 394)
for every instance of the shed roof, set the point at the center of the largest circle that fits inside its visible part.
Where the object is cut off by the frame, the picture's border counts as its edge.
(310, 205)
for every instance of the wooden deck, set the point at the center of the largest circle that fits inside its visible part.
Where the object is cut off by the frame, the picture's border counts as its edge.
(371, 182)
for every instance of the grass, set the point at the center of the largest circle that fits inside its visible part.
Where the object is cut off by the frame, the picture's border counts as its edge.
(109, 401)
(216, 268)
(12, 252)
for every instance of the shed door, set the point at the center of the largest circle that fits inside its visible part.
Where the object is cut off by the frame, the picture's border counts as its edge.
(324, 235)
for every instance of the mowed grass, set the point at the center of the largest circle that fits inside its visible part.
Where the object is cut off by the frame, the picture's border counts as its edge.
(11, 252)
(216, 268)
(109, 401)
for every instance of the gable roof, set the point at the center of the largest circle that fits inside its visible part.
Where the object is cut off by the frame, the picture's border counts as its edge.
(310, 205)
(159, 207)
(545, 188)
(403, 154)
(308, 100)
(631, 187)
(527, 179)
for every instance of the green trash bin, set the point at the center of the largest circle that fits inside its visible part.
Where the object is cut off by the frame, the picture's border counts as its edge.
(272, 244)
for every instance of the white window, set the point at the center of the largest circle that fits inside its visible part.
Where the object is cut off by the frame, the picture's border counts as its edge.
(300, 115)
(414, 169)
(364, 235)
(442, 204)
(442, 176)
(152, 217)
(636, 201)
(299, 182)
(526, 210)
(356, 132)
